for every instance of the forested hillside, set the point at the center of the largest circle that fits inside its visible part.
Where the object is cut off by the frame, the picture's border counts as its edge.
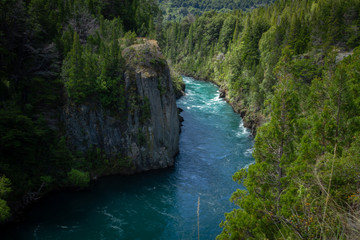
(293, 69)
(177, 9)
(54, 53)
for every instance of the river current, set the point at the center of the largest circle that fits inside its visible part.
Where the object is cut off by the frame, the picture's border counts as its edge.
(186, 201)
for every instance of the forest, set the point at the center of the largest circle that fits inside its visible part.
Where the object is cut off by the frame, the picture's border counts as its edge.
(52, 51)
(175, 10)
(292, 70)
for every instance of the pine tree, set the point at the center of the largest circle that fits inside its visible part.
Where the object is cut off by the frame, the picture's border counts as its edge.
(75, 80)
(190, 39)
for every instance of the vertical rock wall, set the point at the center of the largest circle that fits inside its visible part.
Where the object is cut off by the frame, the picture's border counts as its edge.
(147, 133)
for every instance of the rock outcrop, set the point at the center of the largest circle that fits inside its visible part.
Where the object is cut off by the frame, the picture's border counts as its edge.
(251, 120)
(146, 134)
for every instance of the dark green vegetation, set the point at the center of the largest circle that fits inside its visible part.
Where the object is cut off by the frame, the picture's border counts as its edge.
(177, 9)
(294, 68)
(157, 204)
(53, 52)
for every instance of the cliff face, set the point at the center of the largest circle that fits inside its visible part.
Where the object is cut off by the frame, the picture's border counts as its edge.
(146, 134)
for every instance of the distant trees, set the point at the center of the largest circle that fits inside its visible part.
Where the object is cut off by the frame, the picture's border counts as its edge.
(252, 43)
(175, 9)
(283, 64)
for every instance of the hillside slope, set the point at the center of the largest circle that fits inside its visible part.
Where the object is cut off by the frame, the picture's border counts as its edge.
(78, 99)
(292, 70)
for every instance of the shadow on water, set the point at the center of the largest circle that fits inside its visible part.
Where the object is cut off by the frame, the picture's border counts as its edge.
(158, 204)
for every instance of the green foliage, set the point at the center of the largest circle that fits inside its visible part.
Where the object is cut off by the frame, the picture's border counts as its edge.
(178, 9)
(47, 180)
(125, 162)
(161, 87)
(78, 178)
(283, 188)
(76, 82)
(240, 50)
(284, 63)
(53, 52)
(145, 110)
(21, 140)
(281, 63)
(305, 177)
(4, 210)
(305, 70)
(94, 73)
(5, 189)
(141, 137)
(178, 83)
(129, 38)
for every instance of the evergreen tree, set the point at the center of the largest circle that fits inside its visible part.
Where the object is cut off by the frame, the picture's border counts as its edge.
(76, 82)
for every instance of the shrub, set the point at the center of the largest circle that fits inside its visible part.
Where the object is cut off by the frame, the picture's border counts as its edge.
(78, 178)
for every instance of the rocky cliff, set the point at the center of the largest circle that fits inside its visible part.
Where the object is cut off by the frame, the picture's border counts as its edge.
(251, 120)
(145, 135)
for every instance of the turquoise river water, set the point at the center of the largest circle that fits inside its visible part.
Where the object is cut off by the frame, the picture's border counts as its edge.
(159, 204)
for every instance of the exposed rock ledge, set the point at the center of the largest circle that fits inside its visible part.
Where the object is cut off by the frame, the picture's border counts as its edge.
(251, 120)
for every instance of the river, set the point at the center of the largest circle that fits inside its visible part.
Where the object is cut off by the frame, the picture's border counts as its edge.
(160, 204)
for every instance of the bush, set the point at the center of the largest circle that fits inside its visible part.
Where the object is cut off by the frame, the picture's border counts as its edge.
(129, 38)
(4, 190)
(78, 178)
(4, 210)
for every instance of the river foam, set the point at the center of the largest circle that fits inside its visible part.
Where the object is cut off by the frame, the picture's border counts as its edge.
(159, 204)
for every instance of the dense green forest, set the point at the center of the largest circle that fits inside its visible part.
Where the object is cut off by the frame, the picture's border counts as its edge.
(292, 67)
(178, 9)
(52, 51)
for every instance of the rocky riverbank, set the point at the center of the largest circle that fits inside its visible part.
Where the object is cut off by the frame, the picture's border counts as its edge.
(252, 120)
